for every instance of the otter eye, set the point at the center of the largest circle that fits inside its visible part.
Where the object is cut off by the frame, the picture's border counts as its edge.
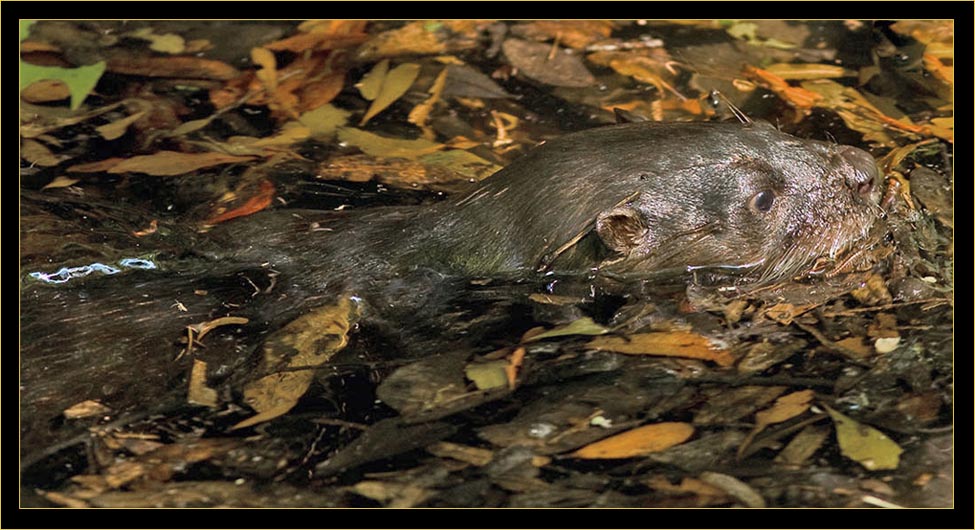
(762, 201)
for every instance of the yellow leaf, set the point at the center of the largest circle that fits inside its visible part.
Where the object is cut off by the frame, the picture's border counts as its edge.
(808, 71)
(372, 82)
(268, 74)
(638, 442)
(670, 344)
(116, 129)
(487, 375)
(396, 83)
(60, 182)
(324, 120)
(868, 446)
(381, 146)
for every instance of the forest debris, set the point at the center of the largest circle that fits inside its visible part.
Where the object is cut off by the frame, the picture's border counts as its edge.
(864, 444)
(886, 344)
(472, 455)
(671, 343)
(45, 91)
(114, 130)
(487, 375)
(729, 405)
(86, 409)
(638, 442)
(170, 43)
(323, 121)
(421, 112)
(199, 393)
(793, 71)
(785, 408)
(38, 154)
(465, 82)
(381, 146)
(705, 494)
(532, 60)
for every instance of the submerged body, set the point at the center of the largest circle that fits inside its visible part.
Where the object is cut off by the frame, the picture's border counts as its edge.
(629, 200)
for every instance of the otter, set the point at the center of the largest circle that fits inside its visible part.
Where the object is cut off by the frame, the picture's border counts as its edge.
(628, 201)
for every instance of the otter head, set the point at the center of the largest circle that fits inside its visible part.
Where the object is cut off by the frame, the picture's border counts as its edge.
(757, 201)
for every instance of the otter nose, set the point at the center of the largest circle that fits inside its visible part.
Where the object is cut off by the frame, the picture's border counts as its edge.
(865, 174)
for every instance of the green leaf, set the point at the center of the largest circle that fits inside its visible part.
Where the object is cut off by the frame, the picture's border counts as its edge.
(324, 120)
(462, 162)
(582, 326)
(81, 81)
(868, 446)
(487, 375)
(381, 146)
(25, 29)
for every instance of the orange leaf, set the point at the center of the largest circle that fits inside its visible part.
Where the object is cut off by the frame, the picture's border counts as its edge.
(798, 97)
(670, 344)
(319, 92)
(253, 205)
(179, 67)
(514, 363)
(638, 442)
(166, 163)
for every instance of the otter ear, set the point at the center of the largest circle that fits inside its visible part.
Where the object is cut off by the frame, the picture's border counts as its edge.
(621, 229)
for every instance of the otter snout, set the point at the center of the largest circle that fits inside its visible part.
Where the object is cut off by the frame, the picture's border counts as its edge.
(864, 177)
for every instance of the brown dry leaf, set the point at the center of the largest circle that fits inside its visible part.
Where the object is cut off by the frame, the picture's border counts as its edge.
(708, 495)
(60, 182)
(199, 393)
(927, 31)
(45, 90)
(940, 71)
(472, 455)
(856, 346)
(514, 364)
(786, 407)
(393, 86)
(86, 409)
(638, 442)
(96, 167)
(255, 203)
(392, 172)
(318, 35)
(177, 67)
(666, 343)
(736, 488)
(116, 129)
(318, 92)
(654, 70)
(573, 33)
(803, 446)
(39, 155)
(306, 342)
(784, 313)
(895, 157)
(535, 61)
(168, 163)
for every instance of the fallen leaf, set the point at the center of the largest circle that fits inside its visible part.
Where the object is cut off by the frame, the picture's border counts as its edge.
(303, 344)
(803, 446)
(857, 346)
(801, 98)
(808, 71)
(167, 163)
(45, 90)
(486, 376)
(254, 204)
(316, 93)
(381, 146)
(671, 344)
(461, 162)
(177, 67)
(576, 34)
(785, 408)
(199, 393)
(466, 82)
(170, 43)
(60, 182)
(96, 167)
(38, 154)
(80, 81)
(638, 442)
(422, 38)
(86, 409)
(420, 113)
(371, 83)
(582, 326)
(116, 129)
(472, 455)
(514, 364)
(734, 487)
(268, 73)
(532, 59)
(324, 120)
(864, 444)
(394, 85)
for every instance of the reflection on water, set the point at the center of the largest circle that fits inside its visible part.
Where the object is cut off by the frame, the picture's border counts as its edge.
(66, 274)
